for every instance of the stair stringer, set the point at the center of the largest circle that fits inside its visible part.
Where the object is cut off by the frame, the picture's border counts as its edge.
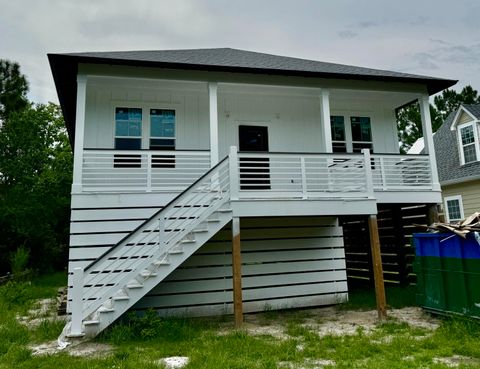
(114, 308)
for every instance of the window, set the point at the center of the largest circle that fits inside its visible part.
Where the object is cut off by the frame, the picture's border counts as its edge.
(468, 143)
(361, 133)
(128, 136)
(128, 128)
(162, 136)
(453, 208)
(339, 143)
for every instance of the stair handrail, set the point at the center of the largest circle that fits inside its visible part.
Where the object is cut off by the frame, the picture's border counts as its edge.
(155, 215)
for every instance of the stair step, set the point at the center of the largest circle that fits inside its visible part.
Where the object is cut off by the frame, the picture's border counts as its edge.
(226, 210)
(161, 262)
(121, 298)
(77, 335)
(187, 241)
(134, 285)
(148, 274)
(200, 230)
(213, 220)
(103, 309)
(175, 251)
(91, 322)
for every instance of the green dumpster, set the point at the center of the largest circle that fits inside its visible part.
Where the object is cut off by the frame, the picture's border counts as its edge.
(448, 273)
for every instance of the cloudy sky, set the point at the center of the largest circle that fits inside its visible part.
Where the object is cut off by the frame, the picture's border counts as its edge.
(432, 37)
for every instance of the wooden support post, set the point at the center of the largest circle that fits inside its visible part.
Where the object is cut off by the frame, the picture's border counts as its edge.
(237, 273)
(432, 214)
(377, 267)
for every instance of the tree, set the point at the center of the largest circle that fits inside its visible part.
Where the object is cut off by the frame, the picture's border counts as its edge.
(409, 123)
(35, 179)
(13, 89)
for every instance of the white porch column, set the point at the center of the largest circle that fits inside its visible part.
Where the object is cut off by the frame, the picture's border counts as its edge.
(325, 119)
(79, 133)
(213, 111)
(428, 138)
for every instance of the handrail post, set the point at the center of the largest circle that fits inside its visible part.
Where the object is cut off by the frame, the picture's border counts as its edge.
(368, 171)
(149, 172)
(161, 231)
(77, 302)
(382, 173)
(233, 172)
(304, 177)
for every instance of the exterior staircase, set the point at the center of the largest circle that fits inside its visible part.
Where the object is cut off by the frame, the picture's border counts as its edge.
(114, 282)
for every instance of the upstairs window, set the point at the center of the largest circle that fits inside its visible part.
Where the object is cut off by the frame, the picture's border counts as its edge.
(468, 143)
(361, 133)
(128, 128)
(453, 208)
(339, 142)
(162, 136)
(128, 136)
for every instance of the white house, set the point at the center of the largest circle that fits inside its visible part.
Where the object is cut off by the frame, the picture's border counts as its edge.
(179, 154)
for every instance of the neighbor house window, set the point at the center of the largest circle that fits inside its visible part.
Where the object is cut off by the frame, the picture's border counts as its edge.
(453, 208)
(128, 136)
(361, 133)
(468, 143)
(162, 136)
(339, 143)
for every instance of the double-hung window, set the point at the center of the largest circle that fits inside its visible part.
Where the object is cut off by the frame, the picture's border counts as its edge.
(128, 136)
(339, 142)
(162, 136)
(468, 140)
(361, 133)
(454, 208)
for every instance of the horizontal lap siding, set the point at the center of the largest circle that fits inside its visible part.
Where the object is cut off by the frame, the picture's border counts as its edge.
(286, 262)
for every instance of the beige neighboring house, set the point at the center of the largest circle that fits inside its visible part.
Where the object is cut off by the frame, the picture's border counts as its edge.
(457, 148)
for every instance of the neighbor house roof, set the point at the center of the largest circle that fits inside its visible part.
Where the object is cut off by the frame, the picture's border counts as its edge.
(65, 66)
(449, 166)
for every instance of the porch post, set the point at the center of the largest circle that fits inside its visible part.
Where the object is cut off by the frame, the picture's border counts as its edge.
(79, 133)
(237, 273)
(213, 111)
(428, 138)
(325, 120)
(377, 267)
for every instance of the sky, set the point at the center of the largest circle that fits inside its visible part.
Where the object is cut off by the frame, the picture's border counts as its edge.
(438, 38)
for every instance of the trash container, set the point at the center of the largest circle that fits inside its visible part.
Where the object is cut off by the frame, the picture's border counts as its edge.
(448, 273)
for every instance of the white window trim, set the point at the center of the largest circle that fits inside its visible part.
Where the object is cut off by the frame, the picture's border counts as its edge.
(460, 204)
(474, 124)
(145, 144)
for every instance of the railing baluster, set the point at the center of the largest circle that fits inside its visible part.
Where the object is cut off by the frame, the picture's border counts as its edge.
(234, 173)
(149, 171)
(383, 174)
(304, 177)
(368, 171)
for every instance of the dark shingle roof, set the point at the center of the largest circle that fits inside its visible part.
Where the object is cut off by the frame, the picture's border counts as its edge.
(65, 67)
(234, 58)
(446, 151)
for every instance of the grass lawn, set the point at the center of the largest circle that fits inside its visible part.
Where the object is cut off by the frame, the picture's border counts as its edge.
(288, 339)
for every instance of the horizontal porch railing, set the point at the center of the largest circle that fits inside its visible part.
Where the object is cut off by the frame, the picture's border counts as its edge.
(302, 175)
(142, 170)
(258, 175)
(401, 172)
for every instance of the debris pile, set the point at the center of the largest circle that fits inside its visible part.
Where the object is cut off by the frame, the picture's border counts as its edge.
(470, 224)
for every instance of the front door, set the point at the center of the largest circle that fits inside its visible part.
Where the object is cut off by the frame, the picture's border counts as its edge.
(254, 172)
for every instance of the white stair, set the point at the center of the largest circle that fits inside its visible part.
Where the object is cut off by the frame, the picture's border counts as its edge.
(144, 258)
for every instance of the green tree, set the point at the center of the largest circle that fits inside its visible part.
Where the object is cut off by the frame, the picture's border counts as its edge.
(409, 123)
(13, 89)
(35, 178)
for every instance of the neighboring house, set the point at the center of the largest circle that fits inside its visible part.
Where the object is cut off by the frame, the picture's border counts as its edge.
(173, 148)
(457, 147)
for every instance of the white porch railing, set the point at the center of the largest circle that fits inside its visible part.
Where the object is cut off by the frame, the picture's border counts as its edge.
(258, 175)
(401, 172)
(303, 175)
(141, 170)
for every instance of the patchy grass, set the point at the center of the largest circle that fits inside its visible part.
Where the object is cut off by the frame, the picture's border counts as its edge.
(140, 342)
